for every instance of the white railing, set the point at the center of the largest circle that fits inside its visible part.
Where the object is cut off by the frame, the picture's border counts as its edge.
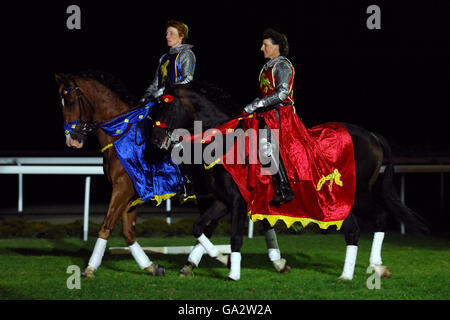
(61, 166)
(93, 166)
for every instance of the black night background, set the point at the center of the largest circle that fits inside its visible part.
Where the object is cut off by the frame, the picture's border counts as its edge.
(394, 81)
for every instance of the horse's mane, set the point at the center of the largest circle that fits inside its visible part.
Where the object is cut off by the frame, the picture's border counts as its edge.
(218, 96)
(110, 81)
(213, 105)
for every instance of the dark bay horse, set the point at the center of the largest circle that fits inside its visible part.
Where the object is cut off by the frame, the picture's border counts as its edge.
(93, 98)
(375, 196)
(88, 99)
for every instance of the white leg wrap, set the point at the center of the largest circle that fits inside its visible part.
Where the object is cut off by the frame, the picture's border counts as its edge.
(196, 254)
(274, 254)
(375, 253)
(208, 245)
(139, 255)
(350, 261)
(235, 270)
(97, 255)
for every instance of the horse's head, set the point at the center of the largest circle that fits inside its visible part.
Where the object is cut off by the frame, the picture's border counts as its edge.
(174, 110)
(187, 103)
(76, 108)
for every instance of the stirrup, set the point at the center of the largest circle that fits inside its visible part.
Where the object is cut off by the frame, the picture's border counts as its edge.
(188, 190)
(188, 187)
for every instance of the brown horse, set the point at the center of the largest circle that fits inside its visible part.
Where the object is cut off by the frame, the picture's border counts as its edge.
(88, 101)
(91, 99)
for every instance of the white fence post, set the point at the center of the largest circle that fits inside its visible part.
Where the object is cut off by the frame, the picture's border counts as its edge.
(87, 189)
(168, 210)
(20, 200)
(250, 228)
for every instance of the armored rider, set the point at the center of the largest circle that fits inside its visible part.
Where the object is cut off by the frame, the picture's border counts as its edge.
(175, 67)
(276, 84)
(178, 65)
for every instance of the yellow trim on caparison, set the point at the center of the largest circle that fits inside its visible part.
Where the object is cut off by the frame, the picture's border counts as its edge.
(289, 221)
(156, 198)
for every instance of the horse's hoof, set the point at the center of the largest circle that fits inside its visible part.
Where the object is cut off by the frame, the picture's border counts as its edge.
(281, 266)
(345, 278)
(286, 269)
(386, 273)
(382, 271)
(88, 273)
(186, 271)
(160, 270)
(229, 279)
(156, 270)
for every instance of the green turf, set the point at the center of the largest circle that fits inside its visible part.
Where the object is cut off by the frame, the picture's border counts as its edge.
(36, 269)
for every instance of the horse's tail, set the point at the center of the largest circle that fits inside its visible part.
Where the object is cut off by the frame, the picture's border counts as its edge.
(386, 193)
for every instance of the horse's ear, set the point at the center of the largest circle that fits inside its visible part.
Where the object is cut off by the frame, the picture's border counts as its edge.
(61, 78)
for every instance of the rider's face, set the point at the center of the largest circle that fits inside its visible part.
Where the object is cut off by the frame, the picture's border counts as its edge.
(173, 38)
(270, 50)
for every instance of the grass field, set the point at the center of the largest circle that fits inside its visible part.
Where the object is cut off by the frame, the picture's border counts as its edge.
(37, 269)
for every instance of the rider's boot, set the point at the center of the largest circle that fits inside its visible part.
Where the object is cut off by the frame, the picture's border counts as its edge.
(282, 187)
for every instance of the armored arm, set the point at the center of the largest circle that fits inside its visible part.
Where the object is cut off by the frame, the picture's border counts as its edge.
(187, 61)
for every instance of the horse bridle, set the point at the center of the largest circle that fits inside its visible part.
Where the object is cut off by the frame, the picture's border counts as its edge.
(168, 131)
(85, 126)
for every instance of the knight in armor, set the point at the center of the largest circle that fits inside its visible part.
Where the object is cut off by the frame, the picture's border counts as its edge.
(276, 84)
(177, 68)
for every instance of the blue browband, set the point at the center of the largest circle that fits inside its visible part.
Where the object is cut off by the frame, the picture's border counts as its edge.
(67, 91)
